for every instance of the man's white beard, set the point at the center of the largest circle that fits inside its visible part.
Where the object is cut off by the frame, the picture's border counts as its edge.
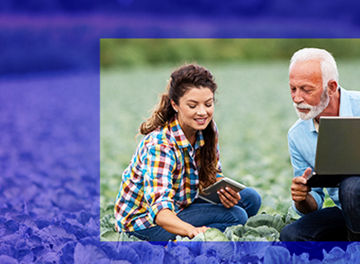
(314, 110)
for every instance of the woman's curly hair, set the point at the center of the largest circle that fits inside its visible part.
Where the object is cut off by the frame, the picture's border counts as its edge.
(182, 79)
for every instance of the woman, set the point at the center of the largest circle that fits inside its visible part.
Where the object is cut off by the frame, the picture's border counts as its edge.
(177, 158)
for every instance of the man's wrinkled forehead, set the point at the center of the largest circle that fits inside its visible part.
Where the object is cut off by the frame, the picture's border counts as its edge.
(305, 68)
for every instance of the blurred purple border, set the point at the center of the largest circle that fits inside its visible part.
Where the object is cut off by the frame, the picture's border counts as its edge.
(49, 120)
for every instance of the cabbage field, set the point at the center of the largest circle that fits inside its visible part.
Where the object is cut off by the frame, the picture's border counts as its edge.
(253, 112)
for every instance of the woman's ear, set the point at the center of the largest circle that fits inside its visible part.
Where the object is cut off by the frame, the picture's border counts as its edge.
(174, 106)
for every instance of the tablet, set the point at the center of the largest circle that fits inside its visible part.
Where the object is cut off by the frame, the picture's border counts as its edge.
(210, 195)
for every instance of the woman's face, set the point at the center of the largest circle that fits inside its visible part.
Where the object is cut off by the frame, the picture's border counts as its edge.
(195, 110)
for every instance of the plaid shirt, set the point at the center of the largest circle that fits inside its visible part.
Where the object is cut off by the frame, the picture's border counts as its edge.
(162, 174)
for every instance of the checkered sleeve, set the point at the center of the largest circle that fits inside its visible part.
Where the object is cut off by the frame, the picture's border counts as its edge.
(159, 168)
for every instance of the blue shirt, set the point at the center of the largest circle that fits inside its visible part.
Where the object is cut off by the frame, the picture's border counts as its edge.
(302, 140)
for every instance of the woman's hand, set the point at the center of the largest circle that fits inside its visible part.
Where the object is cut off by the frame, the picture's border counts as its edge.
(194, 231)
(228, 197)
(168, 220)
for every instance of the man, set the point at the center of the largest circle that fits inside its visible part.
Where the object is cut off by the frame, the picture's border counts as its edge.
(313, 79)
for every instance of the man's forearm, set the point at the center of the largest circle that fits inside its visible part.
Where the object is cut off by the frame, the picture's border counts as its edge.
(307, 206)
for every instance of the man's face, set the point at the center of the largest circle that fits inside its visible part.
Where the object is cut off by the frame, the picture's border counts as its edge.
(306, 86)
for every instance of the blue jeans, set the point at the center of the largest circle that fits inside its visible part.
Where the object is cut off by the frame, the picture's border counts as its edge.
(201, 213)
(330, 224)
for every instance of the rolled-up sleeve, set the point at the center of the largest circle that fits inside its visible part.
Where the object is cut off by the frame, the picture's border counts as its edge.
(299, 166)
(160, 163)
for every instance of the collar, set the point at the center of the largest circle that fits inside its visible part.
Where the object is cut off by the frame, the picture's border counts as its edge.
(316, 125)
(180, 137)
(345, 109)
(345, 105)
(311, 125)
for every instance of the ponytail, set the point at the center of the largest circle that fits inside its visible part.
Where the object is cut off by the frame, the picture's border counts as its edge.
(161, 114)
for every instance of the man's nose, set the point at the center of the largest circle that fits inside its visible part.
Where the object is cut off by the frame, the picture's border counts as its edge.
(296, 97)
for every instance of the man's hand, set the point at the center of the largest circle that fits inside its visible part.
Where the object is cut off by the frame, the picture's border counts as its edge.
(299, 189)
(228, 197)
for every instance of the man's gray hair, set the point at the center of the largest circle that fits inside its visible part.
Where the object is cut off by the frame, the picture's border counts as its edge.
(328, 66)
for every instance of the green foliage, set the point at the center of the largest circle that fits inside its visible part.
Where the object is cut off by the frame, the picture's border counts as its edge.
(328, 202)
(214, 234)
(275, 221)
(134, 52)
(211, 234)
(261, 227)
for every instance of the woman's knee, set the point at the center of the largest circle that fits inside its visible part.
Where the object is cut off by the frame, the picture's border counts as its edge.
(250, 200)
(240, 216)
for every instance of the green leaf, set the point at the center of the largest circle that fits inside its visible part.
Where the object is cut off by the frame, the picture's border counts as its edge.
(274, 221)
(110, 236)
(214, 234)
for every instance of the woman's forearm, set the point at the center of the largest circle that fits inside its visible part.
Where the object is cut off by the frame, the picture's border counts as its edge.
(168, 220)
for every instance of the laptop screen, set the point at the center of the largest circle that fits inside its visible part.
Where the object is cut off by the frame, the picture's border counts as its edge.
(338, 146)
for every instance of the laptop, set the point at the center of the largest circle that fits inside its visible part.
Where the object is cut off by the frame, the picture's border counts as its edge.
(337, 151)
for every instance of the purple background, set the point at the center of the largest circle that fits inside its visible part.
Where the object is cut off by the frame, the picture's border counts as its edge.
(49, 119)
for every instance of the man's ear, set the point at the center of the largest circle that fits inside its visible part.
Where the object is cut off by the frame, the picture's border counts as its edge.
(174, 106)
(332, 87)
